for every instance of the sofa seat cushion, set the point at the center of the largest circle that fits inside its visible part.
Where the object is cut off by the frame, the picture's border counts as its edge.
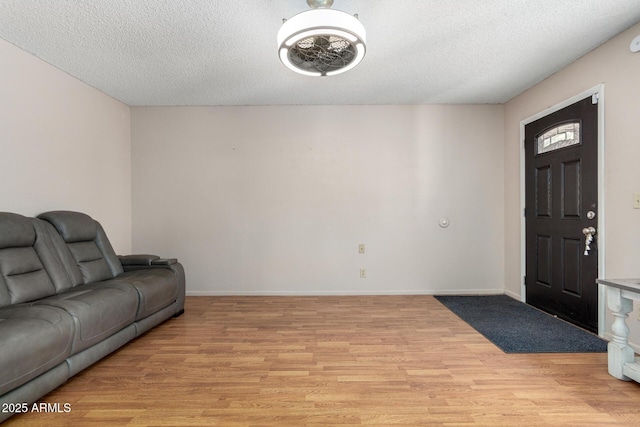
(99, 310)
(34, 339)
(157, 288)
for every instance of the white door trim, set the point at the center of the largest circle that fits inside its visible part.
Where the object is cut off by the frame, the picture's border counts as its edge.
(599, 90)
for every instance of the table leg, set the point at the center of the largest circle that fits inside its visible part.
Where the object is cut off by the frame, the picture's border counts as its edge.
(619, 351)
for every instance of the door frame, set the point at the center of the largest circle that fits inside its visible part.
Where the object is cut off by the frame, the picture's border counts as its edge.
(599, 90)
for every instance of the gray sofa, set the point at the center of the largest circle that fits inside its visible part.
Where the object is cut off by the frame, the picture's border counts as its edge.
(67, 300)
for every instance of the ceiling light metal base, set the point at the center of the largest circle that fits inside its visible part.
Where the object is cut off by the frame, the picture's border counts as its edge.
(321, 41)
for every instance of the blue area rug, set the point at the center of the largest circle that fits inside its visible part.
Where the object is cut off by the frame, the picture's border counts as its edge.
(516, 327)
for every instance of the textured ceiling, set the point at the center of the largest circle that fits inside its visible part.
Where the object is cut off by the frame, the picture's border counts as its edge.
(223, 52)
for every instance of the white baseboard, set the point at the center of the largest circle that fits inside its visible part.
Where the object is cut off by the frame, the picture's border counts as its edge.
(348, 293)
(513, 295)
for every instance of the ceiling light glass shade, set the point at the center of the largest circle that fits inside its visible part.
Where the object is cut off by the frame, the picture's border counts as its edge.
(321, 42)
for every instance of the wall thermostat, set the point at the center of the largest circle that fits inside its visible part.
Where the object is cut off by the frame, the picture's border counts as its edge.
(635, 44)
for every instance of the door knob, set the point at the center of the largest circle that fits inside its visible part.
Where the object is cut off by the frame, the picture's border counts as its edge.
(588, 232)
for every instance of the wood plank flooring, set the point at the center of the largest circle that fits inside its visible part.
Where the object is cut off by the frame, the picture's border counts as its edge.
(334, 361)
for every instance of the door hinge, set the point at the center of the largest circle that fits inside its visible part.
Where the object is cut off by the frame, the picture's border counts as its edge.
(524, 212)
(594, 98)
(524, 280)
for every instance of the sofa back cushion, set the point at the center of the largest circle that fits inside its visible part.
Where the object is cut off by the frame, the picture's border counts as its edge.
(25, 261)
(84, 247)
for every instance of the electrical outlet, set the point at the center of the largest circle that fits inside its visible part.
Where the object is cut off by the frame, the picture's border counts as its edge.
(363, 273)
(636, 201)
(361, 248)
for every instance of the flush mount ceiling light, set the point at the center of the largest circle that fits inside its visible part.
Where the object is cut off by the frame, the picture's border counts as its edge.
(321, 41)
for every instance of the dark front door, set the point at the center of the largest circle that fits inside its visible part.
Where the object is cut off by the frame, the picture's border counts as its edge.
(561, 180)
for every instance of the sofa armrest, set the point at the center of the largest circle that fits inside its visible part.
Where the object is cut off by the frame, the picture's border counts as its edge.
(131, 263)
(164, 261)
(145, 262)
(137, 259)
(141, 261)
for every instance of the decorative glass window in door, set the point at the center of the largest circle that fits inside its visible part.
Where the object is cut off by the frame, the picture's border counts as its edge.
(561, 136)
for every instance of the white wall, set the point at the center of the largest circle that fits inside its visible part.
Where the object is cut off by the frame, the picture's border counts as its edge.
(619, 69)
(275, 200)
(64, 145)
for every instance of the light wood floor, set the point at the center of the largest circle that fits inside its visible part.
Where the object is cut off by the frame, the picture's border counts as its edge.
(323, 361)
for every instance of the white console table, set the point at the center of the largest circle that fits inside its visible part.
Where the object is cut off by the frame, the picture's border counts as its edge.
(620, 296)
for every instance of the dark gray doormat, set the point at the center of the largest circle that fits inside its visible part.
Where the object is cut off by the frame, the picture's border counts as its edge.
(516, 327)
